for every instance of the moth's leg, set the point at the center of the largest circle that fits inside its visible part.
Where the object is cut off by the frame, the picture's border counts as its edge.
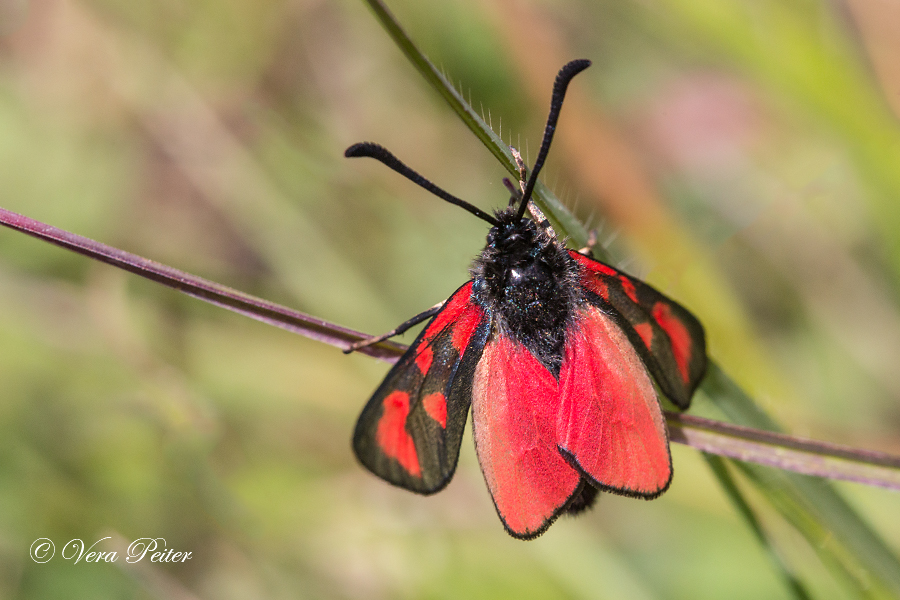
(588, 250)
(397, 330)
(542, 221)
(523, 175)
(536, 213)
(515, 194)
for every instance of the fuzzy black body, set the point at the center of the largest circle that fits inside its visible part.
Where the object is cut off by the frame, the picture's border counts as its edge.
(528, 284)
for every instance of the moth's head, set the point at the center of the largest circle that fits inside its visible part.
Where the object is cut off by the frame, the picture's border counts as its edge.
(511, 230)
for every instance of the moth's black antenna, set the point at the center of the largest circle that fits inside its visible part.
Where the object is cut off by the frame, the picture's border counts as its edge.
(381, 154)
(565, 75)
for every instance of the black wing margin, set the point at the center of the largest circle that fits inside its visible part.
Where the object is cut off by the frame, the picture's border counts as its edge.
(669, 339)
(410, 431)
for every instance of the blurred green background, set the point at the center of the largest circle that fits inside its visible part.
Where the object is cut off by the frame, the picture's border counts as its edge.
(743, 156)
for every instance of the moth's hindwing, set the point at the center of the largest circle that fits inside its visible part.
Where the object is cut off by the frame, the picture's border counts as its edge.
(610, 425)
(410, 431)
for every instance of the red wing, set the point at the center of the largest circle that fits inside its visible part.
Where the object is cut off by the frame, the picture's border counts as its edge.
(610, 424)
(668, 337)
(410, 431)
(515, 402)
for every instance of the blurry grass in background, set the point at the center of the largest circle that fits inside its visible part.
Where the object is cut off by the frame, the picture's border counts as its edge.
(743, 155)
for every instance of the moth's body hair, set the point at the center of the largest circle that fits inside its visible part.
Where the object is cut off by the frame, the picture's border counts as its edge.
(528, 285)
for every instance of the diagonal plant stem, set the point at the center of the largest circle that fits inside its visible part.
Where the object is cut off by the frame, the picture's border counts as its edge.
(202, 289)
(786, 452)
(715, 437)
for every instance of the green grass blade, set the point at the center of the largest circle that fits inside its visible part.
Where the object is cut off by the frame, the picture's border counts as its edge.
(720, 470)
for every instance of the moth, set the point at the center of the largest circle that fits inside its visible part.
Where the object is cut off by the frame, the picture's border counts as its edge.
(556, 354)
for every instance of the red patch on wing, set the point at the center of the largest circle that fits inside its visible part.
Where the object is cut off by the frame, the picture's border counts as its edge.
(436, 407)
(601, 289)
(460, 314)
(465, 326)
(679, 336)
(628, 286)
(424, 358)
(392, 437)
(609, 419)
(598, 286)
(645, 330)
(515, 401)
(606, 270)
(450, 313)
(589, 279)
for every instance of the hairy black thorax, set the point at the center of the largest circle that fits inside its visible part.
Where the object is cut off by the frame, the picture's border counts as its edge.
(527, 282)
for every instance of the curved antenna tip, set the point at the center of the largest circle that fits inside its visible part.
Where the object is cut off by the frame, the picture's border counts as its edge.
(362, 149)
(380, 153)
(573, 68)
(565, 75)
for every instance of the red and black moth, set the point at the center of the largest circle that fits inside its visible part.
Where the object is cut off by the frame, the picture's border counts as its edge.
(554, 352)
